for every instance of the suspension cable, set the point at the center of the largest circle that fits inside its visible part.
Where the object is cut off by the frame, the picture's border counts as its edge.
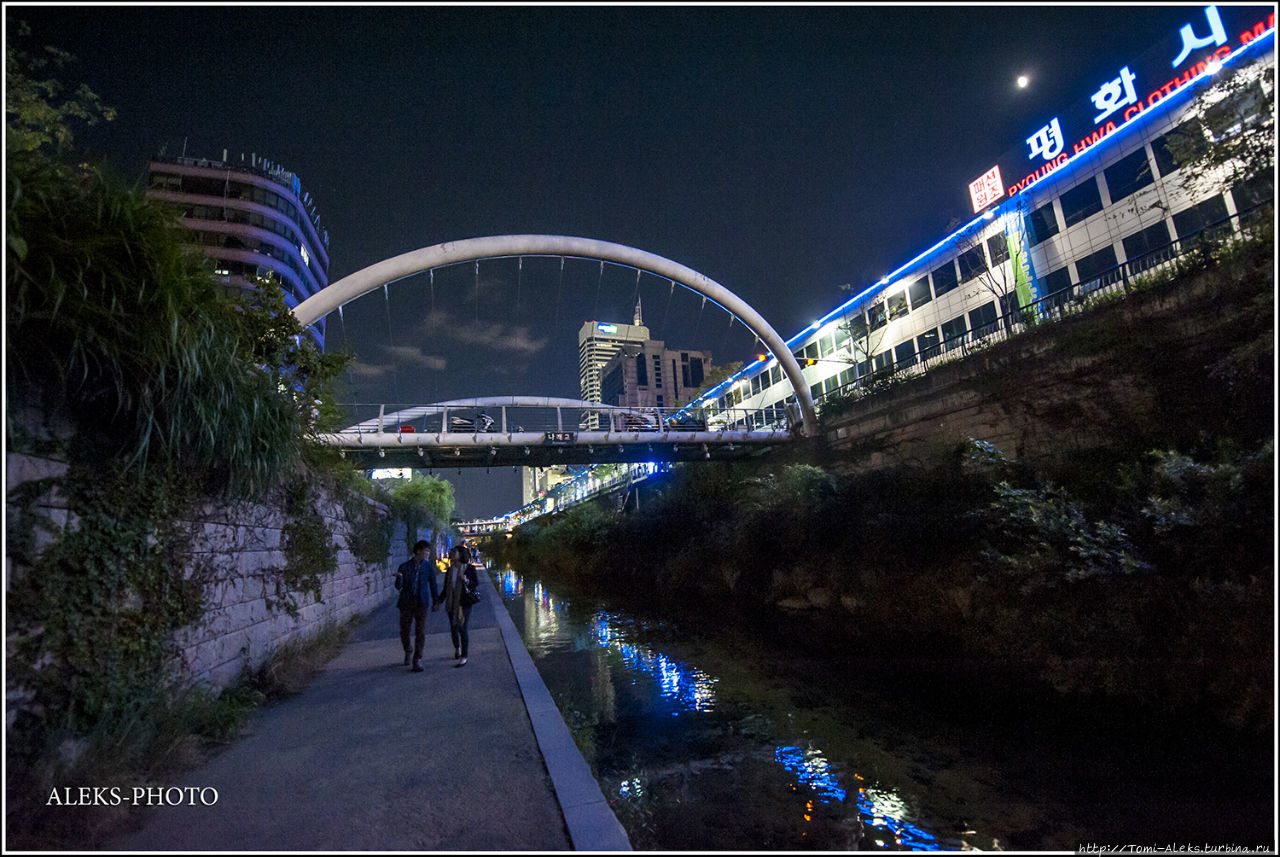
(395, 369)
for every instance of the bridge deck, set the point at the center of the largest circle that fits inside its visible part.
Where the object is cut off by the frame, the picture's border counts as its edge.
(535, 449)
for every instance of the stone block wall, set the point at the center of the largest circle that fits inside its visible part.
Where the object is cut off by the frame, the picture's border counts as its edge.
(233, 549)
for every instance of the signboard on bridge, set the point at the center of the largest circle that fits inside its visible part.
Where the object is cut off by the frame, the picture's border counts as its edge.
(561, 438)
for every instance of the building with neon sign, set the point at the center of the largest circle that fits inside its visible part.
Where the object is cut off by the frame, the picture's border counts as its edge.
(1091, 197)
(599, 341)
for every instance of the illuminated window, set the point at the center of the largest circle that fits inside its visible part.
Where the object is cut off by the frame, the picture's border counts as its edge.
(998, 247)
(876, 315)
(1127, 175)
(944, 279)
(1081, 201)
(927, 344)
(972, 263)
(1042, 223)
(898, 305)
(920, 294)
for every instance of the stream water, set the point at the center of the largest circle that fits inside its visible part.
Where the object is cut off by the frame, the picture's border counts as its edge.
(705, 739)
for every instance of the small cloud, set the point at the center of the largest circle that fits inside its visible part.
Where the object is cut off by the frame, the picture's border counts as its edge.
(500, 338)
(367, 370)
(413, 356)
(442, 324)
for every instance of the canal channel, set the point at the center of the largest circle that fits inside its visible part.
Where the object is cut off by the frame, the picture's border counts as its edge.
(708, 739)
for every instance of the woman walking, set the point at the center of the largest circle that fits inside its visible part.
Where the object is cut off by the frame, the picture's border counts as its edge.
(459, 597)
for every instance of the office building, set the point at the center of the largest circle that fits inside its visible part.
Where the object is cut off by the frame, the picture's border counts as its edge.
(651, 375)
(600, 341)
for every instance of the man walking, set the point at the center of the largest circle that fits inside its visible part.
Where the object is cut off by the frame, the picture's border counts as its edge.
(416, 580)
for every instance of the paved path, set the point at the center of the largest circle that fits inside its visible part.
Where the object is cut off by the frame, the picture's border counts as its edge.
(372, 757)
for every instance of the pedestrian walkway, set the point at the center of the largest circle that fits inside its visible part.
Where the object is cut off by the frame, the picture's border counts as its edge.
(372, 757)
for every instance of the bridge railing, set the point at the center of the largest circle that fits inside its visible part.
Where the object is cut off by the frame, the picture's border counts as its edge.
(496, 418)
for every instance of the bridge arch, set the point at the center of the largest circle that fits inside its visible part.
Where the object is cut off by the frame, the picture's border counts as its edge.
(367, 279)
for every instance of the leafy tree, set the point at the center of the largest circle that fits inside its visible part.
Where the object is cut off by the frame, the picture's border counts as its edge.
(1230, 135)
(280, 345)
(35, 119)
(421, 501)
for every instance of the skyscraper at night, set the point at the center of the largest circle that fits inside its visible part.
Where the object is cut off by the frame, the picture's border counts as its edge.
(599, 341)
(250, 219)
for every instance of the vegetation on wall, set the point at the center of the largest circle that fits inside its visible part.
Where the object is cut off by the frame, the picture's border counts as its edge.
(127, 360)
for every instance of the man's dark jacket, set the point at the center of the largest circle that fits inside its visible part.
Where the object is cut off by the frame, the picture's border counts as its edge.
(414, 589)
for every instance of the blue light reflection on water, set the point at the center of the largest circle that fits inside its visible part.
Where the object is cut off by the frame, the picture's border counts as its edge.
(692, 690)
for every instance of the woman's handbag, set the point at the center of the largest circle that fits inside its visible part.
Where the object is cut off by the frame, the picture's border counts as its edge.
(469, 595)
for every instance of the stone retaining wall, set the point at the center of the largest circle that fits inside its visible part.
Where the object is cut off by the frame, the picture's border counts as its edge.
(1060, 392)
(233, 549)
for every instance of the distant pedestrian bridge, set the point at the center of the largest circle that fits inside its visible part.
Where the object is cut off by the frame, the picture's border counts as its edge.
(544, 432)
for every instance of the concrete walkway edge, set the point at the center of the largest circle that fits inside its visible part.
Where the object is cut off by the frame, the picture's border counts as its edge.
(591, 823)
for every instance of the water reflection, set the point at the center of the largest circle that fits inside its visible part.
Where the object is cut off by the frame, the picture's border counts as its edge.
(549, 627)
(691, 689)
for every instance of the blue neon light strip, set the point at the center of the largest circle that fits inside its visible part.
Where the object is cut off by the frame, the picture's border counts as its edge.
(1194, 84)
(1151, 113)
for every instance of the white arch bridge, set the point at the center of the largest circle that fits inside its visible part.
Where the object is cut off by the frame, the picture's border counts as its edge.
(532, 431)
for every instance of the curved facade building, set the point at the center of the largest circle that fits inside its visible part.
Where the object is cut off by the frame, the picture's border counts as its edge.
(250, 219)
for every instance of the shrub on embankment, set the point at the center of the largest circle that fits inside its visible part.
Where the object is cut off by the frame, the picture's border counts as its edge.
(1163, 600)
(1141, 573)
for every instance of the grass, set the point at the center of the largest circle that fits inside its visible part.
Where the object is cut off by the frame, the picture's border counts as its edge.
(149, 751)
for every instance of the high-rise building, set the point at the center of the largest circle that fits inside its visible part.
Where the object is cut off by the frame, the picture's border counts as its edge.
(651, 375)
(250, 219)
(597, 342)
(621, 365)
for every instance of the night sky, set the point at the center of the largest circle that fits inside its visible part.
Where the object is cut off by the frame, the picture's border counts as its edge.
(781, 151)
